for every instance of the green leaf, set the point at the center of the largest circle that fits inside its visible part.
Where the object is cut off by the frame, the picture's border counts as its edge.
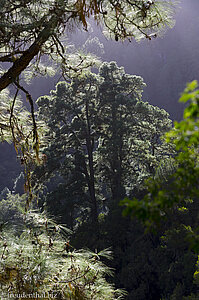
(191, 86)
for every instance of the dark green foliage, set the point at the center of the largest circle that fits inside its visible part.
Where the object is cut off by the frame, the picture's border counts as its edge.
(147, 265)
(89, 112)
(104, 141)
(177, 195)
(183, 183)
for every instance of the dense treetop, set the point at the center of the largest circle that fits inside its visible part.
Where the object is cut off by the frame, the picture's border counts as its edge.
(103, 139)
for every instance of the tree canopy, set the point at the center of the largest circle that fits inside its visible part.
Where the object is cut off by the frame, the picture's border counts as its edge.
(180, 186)
(33, 43)
(103, 139)
(29, 29)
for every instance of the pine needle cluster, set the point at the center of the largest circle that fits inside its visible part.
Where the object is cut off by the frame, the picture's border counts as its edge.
(37, 259)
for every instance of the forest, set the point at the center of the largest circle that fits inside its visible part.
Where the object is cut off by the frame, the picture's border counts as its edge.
(99, 163)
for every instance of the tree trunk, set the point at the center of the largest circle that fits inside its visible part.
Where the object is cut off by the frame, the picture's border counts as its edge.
(117, 189)
(91, 183)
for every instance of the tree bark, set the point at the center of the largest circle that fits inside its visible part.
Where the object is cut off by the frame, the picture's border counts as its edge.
(117, 188)
(91, 183)
(21, 63)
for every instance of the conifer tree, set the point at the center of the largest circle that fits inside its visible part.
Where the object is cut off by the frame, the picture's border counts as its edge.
(102, 135)
(33, 32)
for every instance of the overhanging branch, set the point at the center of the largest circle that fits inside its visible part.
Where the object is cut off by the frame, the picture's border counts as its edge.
(21, 63)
